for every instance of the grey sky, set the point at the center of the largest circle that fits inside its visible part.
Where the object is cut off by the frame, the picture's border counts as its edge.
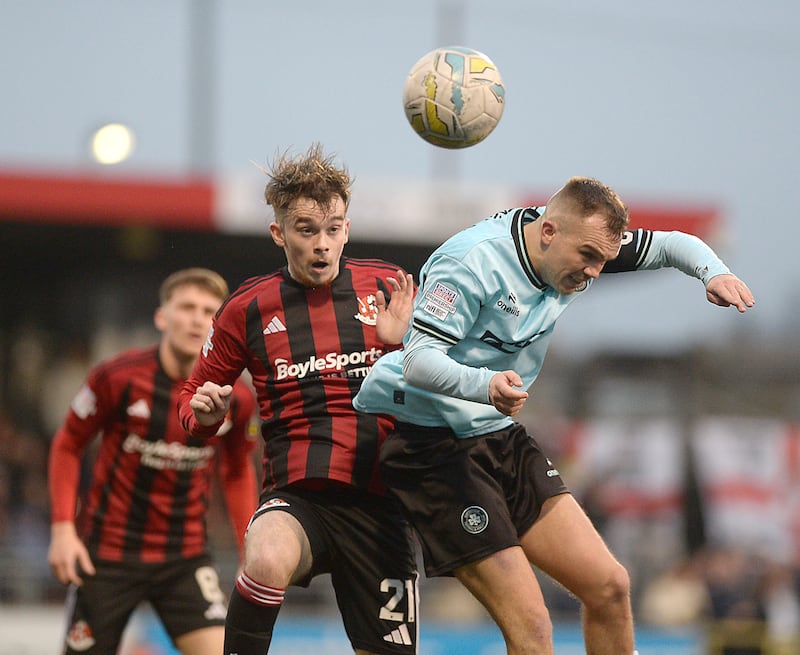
(684, 102)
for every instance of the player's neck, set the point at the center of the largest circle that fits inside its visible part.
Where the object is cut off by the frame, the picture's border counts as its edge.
(175, 366)
(532, 243)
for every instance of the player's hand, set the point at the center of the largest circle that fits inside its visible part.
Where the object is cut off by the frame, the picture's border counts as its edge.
(727, 289)
(504, 393)
(393, 319)
(211, 402)
(66, 553)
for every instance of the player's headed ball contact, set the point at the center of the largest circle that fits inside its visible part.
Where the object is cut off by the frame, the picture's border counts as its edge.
(454, 97)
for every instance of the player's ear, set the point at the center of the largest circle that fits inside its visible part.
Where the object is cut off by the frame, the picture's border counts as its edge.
(159, 320)
(346, 230)
(548, 231)
(277, 234)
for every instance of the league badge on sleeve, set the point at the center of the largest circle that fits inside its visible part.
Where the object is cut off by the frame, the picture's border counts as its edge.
(440, 302)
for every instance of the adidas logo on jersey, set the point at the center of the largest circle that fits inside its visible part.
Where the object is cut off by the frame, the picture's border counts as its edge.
(274, 325)
(399, 636)
(139, 408)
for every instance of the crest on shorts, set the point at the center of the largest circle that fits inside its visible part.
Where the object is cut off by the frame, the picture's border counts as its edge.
(474, 519)
(79, 636)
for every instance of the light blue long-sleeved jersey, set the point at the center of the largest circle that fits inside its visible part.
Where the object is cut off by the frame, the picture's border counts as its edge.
(482, 308)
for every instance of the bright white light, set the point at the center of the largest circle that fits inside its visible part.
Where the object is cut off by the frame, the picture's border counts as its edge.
(112, 143)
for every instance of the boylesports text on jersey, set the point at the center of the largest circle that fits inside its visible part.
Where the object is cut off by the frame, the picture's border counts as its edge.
(172, 455)
(331, 365)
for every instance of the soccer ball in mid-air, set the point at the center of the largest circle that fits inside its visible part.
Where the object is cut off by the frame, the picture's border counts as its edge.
(454, 97)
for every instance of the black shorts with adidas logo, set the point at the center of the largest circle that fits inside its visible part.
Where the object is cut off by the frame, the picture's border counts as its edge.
(364, 541)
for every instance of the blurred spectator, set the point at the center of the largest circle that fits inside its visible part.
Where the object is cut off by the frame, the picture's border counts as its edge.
(24, 515)
(781, 593)
(751, 604)
(677, 598)
(65, 375)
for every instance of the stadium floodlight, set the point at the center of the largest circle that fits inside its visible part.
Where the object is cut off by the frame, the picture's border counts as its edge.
(112, 143)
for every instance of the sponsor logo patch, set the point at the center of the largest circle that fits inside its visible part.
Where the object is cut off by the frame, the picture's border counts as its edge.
(353, 365)
(208, 346)
(440, 301)
(85, 402)
(168, 455)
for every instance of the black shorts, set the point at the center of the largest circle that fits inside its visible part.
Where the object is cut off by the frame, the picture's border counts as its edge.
(364, 542)
(467, 498)
(185, 595)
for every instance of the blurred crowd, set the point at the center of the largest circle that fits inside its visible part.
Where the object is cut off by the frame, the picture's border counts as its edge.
(746, 601)
(750, 603)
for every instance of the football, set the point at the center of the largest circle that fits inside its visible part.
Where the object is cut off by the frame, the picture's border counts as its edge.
(454, 97)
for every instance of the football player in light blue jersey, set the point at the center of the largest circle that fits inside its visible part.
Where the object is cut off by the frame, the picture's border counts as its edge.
(484, 499)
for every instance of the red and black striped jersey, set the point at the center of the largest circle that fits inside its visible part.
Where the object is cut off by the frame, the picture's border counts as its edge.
(308, 350)
(151, 480)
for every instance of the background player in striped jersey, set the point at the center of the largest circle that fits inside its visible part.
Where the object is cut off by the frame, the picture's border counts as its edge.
(486, 502)
(143, 531)
(309, 333)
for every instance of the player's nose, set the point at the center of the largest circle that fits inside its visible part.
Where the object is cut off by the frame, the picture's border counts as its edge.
(593, 270)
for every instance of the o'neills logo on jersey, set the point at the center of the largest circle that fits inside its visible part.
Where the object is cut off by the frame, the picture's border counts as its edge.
(172, 455)
(330, 365)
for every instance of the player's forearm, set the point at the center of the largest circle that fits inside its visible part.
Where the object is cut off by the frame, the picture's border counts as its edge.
(239, 487)
(687, 253)
(64, 466)
(433, 370)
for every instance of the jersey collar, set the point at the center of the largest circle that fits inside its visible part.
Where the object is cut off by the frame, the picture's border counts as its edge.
(521, 218)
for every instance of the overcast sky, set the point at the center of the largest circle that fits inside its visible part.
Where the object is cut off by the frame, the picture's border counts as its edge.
(689, 101)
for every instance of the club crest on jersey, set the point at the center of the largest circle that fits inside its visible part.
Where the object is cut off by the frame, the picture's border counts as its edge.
(80, 636)
(367, 310)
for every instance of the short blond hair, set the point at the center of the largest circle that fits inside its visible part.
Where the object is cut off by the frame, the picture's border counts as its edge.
(588, 196)
(204, 278)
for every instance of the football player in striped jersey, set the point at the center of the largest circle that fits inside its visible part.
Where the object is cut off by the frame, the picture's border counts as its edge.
(142, 527)
(309, 333)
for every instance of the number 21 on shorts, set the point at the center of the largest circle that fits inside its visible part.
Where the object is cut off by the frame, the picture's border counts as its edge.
(399, 589)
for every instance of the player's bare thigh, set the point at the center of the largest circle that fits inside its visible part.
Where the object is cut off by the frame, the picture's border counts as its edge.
(564, 544)
(205, 641)
(504, 582)
(277, 550)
